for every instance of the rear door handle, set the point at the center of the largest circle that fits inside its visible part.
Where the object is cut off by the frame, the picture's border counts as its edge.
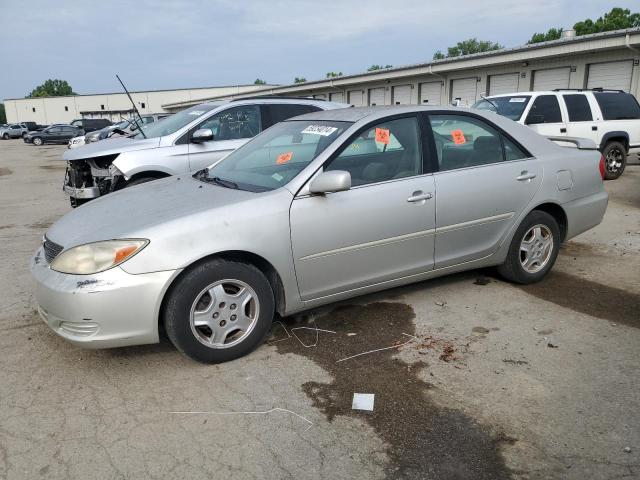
(563, 130)
(594, 128)
(525, 176)
(419, 196)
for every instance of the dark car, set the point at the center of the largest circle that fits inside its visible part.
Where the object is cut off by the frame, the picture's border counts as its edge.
(91, 124)
(53, 134)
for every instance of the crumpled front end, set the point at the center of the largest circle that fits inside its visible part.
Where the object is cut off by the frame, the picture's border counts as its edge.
(91, 178)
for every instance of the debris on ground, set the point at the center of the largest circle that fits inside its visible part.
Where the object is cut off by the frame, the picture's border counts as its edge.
(515, 362)
(627, 449)
(448, 354)
(482, 280)
(551, 345)
(363, 401)
(440, 303)
(446, 347)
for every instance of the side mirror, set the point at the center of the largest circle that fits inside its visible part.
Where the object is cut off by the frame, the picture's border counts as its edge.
(202, 135)
(332, 181)
(534, 119)
(133, 127)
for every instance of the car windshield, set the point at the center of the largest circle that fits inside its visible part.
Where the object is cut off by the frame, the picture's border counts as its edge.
(510, 106)
(275, 157)
(175, 122)
(122, 125)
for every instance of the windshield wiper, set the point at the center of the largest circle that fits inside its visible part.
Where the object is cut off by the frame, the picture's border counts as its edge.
(224, 183)
(489, 101)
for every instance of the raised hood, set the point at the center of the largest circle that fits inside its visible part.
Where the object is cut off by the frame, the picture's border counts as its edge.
(136, 211)
(110, 146)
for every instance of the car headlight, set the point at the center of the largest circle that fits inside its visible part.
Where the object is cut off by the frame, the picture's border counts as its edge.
(97, 257)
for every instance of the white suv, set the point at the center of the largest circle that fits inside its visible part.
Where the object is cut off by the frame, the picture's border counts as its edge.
(611, 118)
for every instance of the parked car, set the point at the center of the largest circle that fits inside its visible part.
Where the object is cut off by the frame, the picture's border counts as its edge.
(125, 127)
(13, 130)
(186, 141)
(33, 126)
(58, 133)
(319, 208)
(91, 124)
(611, 118)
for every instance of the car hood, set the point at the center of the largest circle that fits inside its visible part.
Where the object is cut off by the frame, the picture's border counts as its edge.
(111, 146)
(136, 212)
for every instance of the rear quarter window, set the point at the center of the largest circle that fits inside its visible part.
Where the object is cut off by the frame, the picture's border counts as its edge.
(618, 106)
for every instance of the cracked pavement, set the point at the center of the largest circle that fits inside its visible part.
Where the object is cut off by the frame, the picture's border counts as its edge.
(481, 370)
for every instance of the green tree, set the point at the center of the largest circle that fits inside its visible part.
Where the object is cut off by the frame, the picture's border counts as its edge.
(259, 81)
(617, 19)
(552, 34)
(467, 47)
(3, 114)
(52, 88)
(334, 74)
(299, 80)
(373, 68)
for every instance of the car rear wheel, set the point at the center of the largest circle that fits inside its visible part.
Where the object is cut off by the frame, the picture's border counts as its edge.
(533, 250)
(219, 311)
(615, 160)
(5, 136)
(37, 141)
(24, 134)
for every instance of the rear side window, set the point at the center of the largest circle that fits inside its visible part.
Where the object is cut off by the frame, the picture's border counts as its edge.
(618, 106)
(578, 108)
(545, 109)
(463, 141)
(278, 113)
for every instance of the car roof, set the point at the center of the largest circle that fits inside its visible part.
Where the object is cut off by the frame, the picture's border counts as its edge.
(355, 114)
(281, 101)
(553, 92)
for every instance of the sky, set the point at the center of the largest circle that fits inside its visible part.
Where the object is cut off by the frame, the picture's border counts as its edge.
(184, 44)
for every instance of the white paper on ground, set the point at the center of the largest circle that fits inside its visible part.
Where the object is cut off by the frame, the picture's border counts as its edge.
(362, 401)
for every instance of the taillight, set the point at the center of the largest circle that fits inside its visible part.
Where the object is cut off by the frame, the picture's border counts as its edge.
(601, 166)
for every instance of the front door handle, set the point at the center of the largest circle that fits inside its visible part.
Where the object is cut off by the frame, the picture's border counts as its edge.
(563, 130)
(419, 196)
(525, 176)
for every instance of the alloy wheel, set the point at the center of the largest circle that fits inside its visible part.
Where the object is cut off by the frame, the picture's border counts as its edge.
(614, 160)
(224, 313)
(536, 248)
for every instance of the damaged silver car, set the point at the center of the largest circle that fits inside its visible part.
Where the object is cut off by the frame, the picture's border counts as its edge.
(323, 207)
(186, 141)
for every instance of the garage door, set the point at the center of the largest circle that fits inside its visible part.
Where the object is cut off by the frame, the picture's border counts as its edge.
(376, 96)
(430, 93)
(505, 83)
(320, 96)
(402, 95)
(355, 98)
(614, 75)
(464, 89)
(337, 97)
(551, 78)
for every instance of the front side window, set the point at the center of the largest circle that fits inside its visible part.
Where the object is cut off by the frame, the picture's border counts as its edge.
(618, 106)
(277, 156)
(234, 123)
(578, 108)
(463, 141)
(386, 151)
(175, 122)
(545, 109)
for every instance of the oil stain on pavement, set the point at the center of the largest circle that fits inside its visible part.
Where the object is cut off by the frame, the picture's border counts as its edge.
(423, 440)
(585, 296)
(5, 171)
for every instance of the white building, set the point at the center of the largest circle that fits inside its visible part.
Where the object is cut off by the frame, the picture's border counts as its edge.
(607, 60)
(48, 110)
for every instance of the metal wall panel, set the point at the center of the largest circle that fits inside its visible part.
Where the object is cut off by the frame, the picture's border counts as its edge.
(431, 93)
(376, 96)
(551, 78)
(614, 75)
(465, 89)
(505, 83)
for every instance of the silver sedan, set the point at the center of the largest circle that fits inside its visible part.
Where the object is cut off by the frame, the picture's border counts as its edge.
(319, 208)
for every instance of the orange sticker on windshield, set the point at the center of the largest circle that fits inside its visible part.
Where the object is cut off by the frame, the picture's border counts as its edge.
(284, 158)
(458, 137)
(382, 135)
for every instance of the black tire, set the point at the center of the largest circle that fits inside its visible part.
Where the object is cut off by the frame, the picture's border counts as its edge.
(37, 141)
(5, 136)
(139, 181)
(512, 269)
(24, 134)
(76, 202)
(189, 288)
(615, 159)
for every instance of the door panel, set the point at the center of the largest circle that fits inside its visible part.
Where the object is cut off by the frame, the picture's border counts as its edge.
(477, 206)
(202, 155)
(363, 236)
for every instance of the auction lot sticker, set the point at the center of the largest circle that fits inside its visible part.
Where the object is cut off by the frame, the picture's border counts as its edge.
(319, 130)
(458, 137)
(284, 158)
(382, 135)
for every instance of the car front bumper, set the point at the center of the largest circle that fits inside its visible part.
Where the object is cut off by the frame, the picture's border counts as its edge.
(108, 309)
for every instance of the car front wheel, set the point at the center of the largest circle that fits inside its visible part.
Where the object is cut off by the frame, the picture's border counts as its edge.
(37, 141)
(534, 249)
(615, 160)
(219, 310)
(5, 136)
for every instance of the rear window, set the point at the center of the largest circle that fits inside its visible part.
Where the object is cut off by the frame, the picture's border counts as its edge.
(578, 108)
(618, 106)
